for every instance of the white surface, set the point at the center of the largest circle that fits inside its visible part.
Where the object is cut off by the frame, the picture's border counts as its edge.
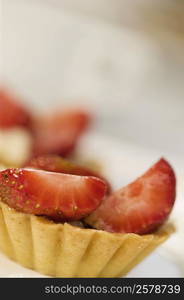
(132, 81)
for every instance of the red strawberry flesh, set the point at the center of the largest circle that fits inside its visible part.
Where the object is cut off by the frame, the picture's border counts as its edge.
(55, 163)
(12, 113)
(141, 206)
(59, 133)
(58, 196)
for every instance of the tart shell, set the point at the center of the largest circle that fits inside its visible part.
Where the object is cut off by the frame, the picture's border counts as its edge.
(63, 250)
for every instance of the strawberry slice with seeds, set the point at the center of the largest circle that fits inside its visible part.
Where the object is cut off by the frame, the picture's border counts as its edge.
(12, 113)
(59, 133)
(55, 163)
(141, 206)
(61, 197)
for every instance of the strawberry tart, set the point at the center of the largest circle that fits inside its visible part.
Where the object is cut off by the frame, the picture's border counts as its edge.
(64, 220)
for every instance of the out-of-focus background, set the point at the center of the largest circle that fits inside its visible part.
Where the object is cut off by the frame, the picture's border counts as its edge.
(124, 59)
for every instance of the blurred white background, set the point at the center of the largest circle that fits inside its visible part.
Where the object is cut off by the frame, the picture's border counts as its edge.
(123, 59)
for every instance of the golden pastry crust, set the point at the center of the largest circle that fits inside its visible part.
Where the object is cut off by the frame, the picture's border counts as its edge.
(63, 250)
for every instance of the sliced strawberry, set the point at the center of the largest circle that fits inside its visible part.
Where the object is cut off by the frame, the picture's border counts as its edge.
(141, 206)
(59, 133)
(55, 163)
(58, 196)
(12, 113)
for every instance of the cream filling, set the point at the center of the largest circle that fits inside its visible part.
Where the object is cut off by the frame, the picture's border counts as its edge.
(15, 147)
